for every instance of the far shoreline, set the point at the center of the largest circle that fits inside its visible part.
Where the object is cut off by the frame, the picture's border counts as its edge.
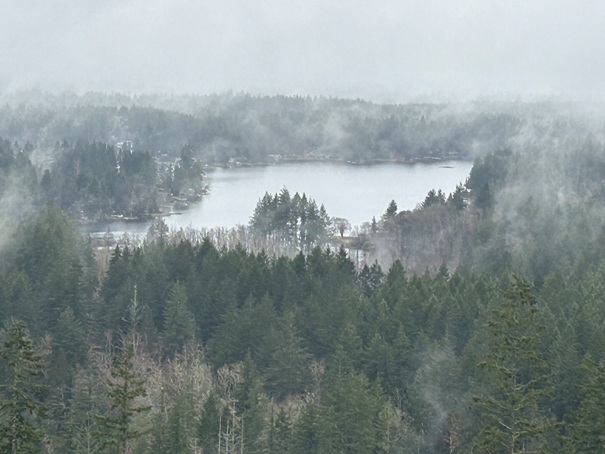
(235, 164)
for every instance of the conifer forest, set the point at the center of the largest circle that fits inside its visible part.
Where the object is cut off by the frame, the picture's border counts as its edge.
(473, 323)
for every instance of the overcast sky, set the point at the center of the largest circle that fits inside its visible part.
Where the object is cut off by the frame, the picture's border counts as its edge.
(383, 50)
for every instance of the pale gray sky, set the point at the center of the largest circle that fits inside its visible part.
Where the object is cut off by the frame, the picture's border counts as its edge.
(385, 50)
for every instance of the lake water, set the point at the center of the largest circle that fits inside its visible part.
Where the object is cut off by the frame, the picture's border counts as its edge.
(356, 193)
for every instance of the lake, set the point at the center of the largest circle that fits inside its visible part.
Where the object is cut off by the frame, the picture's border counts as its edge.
(356, 193)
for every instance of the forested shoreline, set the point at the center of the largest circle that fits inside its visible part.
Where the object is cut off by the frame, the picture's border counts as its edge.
(474, 325)
(261, 129)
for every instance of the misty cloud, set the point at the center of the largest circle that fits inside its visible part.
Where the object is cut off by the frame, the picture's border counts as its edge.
(386, 50)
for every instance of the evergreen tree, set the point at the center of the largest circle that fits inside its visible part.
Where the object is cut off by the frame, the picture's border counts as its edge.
(250, 405)
(17, 299)
(459, 198)
(588, 426)
(69, 348)
(178, 427)
(280, 434)
(370, 278)
(159, 436)
(87, 400)
(433, 198)
(350, 415)
(21, 409)
(179, 323)
(306, 433)
(296, 220)
(245, 330)
(289, 369)
(125, 390)
(512, 414)
(50, 251)
(209, 425)
(390, 212)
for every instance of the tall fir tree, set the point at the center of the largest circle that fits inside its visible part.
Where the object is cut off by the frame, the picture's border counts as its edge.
(87, 400)
(209, 425)
(179, 426)
(21, 409)
(279, 439)
(512, 413)
(588, 426)
(250, 405)
(118, 428)
(179, 322)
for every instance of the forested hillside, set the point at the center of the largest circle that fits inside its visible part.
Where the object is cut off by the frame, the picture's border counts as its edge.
(534, 210)
(478, 329)
(235, 349)
(261, 129)
(93, 180)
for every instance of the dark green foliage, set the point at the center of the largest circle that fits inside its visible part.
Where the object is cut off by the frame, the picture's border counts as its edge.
(512, 410)
(69, 348)
(285, 286)
(249, 329)
(176, 429)
(296, 220)
(209, 425)
(388, 362)
(86, 402)
(486, 176)
(283, 316)
(391, 212)
(370, 279)
(350, 415)
(439, 397)
(588, 426)
(187, 176)
(118, 289)
(280, 434)
(307, 433)
(288, 371)
(96, 180)
(21, 408)
(17, 298)
(398, 346)
(117, 428)
(250, 406)
(433, 198)
(55, 259)
(179, 324)
(459, 198)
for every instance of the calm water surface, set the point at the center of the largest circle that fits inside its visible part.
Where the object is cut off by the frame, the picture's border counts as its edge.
(356, 193)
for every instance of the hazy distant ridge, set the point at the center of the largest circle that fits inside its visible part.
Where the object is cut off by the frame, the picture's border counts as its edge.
(254, 129)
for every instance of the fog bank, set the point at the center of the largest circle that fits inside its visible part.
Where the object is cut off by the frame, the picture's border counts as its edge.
(386, 51)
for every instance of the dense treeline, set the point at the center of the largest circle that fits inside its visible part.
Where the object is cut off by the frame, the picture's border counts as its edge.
(94, 180)
(257, 129)
(206, 350)
(535, 212)
(295, 220)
